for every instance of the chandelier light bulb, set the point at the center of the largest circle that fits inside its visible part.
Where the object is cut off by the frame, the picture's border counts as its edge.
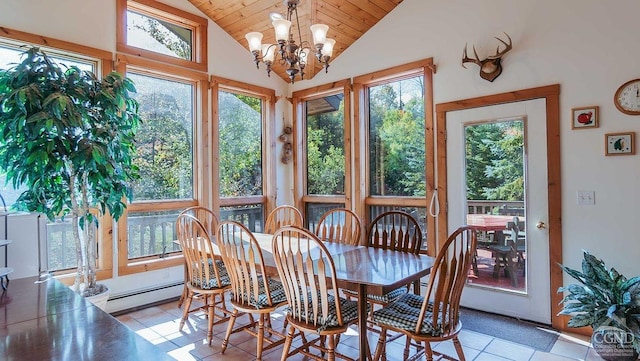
(255, 41)
(319, 32)
(268, 53)
(281, 27)
(275, 16)
(327, 49)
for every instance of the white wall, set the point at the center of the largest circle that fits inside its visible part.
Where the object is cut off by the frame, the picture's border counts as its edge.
(589, 47)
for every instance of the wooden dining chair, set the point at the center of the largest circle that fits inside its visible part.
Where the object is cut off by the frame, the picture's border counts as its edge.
(252, 290)
(396, 230)
(518, 237)
(339, 225)
(433, 317)
(308, 274)
(284, 215)
(205, 275)
(206, 216)
(210, 221)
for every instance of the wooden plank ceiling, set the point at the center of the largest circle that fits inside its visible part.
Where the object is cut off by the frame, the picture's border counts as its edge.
(347, 20)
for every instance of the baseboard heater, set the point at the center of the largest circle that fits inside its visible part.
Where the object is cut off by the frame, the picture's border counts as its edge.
(145, 290)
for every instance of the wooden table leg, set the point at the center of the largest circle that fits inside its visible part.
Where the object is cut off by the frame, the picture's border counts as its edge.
(362, 322)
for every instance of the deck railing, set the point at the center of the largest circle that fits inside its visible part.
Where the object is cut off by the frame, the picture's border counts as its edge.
(505, 208)
(61, 248)
(149, 235)
(154, 234)
(251, 216)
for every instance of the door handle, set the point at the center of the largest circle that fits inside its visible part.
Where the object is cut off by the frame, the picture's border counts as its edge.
(541, 225)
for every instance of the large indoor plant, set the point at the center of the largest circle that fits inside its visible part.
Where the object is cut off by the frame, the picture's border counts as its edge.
(609, 303)
(68, 137)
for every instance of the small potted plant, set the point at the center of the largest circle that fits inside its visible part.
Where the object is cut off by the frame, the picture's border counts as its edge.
(69, 138)
(609, 303)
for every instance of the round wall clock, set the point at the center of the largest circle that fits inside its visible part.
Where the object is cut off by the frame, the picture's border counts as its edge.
(627, 98)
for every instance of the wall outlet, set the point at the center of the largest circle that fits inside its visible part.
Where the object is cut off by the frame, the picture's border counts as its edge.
(586, 198)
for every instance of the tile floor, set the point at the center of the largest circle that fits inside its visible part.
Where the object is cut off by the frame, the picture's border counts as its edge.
(159, 325)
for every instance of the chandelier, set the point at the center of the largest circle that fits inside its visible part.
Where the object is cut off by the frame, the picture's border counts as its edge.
(292, 55)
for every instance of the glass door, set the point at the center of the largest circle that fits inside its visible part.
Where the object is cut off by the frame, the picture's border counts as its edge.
(499, 184)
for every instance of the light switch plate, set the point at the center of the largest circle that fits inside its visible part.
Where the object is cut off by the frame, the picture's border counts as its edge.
(586, 198)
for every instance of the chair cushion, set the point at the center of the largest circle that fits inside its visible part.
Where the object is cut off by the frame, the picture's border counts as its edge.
(389, 297)
(275, 288)
(349, 311)
(384, 299)
(403, 314)
(212, 283)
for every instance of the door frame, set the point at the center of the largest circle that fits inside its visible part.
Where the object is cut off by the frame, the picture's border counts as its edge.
(551, 94)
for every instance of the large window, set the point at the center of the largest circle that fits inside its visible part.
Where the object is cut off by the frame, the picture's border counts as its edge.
(243, 113)
(396, 138)
(169, 107)
(392, 141)
(240, 147)
(10, 55)
(59, 245)
(325, 144)
(156, 45)
(165, 138)
(324, 175)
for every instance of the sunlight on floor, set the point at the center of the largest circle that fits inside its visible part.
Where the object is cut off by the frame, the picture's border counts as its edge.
(159, 325)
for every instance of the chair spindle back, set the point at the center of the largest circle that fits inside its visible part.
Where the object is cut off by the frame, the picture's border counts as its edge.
(447, 280)
(244, 261)
(308, 274)
(198, 252)
(339, 225)
(395, 230)
(281, 216)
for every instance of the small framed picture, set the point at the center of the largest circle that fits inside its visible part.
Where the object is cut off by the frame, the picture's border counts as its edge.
(585, 117)
(619, 143)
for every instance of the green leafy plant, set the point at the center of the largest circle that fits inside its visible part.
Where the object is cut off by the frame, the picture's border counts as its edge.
(603, 297)
(69, 137)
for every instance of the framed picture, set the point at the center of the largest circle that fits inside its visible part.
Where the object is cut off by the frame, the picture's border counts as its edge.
(619, 143)
(585, 117)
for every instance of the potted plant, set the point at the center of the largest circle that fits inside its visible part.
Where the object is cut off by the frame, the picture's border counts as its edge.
(609, 303)
(69, 138)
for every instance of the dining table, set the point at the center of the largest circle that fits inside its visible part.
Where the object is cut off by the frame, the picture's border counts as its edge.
(367, 270)
(43, 319)
(489, 222)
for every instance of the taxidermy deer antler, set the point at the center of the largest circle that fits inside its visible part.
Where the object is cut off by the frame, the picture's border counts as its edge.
(490, 67)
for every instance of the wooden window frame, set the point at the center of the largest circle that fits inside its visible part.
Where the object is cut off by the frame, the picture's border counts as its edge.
(362, 197)
(300, 139)
(157, 10)
(200, 163)
(269, 165)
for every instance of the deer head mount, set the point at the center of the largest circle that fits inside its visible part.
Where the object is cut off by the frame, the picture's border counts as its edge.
(490, 67)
